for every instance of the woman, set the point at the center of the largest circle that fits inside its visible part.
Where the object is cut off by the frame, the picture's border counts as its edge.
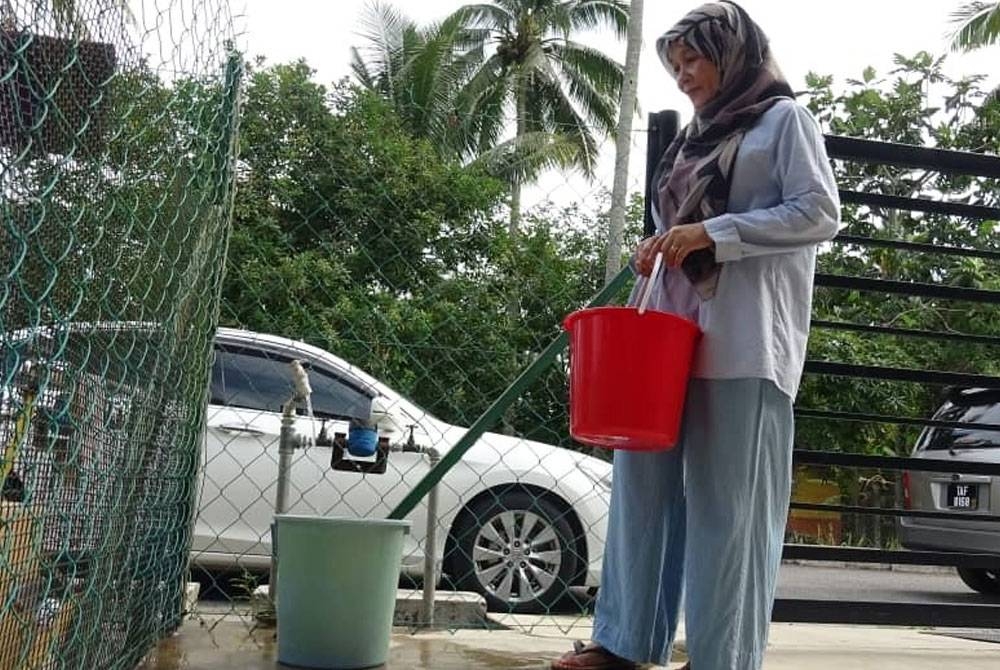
(743, 197)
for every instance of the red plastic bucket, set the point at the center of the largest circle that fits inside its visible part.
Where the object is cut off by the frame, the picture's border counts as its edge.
(628, 376)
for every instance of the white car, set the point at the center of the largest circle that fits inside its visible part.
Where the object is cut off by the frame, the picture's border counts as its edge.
(518, 521)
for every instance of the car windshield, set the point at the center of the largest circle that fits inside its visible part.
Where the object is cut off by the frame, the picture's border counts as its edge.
(984, 413)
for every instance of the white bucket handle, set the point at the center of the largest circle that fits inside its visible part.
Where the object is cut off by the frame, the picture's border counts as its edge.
(647, 289)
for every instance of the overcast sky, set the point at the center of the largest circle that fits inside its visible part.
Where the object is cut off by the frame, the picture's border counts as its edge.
(836, 38)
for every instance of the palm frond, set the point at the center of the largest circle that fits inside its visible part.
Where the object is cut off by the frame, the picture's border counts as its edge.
(977, 25)
(519, 7)
(566, 121)
(492, 73)
(384, 31)
(535, 107)
(486, 16)
(471, 39)
(598, 110)
(426, 82)
(523, 159)
(605, 73)
(439, 72)
(482, 103)
(557, 17)
(534, 57)
(461, 33)
(445, 89)
(361, 72)
(591, 14)
(421, 71)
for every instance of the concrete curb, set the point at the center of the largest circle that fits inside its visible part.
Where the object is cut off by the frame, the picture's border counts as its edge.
(887, 567)
(452, 609)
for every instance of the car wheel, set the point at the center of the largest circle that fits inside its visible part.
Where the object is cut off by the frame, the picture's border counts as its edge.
(984, 581)
(516, 549)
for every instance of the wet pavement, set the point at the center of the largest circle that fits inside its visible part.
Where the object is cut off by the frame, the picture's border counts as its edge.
(230, 642)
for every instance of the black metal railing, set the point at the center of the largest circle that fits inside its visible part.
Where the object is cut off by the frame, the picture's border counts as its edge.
(958, 614)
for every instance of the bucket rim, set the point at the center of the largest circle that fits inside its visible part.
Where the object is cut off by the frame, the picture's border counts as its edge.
(588, 312)
(342, 521)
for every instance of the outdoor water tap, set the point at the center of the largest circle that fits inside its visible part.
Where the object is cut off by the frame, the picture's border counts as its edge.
(302, 389)
(300, 379)
(301, 397)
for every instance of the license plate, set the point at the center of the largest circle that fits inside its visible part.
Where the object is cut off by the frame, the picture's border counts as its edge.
(963, 496)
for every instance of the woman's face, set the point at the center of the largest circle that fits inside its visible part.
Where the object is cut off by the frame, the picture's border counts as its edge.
(697, 77)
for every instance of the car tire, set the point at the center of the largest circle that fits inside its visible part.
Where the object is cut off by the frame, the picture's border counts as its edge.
(516, 548)
(983, 581)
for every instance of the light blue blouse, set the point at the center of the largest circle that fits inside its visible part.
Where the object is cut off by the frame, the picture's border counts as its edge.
(783, 203)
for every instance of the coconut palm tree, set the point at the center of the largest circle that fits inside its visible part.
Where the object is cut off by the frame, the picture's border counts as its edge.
(419, 70)
(978, 25)
(562, 92)
(461, 81)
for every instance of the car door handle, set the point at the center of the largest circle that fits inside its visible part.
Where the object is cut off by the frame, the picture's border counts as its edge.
(246, 430)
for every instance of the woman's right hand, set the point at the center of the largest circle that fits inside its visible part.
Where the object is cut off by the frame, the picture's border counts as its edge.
(645, 254)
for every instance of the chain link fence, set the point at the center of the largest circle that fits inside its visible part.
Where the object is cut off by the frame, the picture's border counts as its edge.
(117, 145)
(137, 435)
(392, 271)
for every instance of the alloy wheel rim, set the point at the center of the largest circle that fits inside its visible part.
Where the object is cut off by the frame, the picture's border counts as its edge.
(517, 555)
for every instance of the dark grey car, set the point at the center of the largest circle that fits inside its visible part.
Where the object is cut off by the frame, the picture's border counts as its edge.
(972, 495)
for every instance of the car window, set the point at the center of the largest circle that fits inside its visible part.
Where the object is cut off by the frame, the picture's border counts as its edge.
(217, 392)
(967, 437)
(332, 397)
(254, 379)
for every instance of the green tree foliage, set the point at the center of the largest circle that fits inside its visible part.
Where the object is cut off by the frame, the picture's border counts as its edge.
(977, 25)
(351, 233)
(916, 103)
(357, 234)
(354, 233)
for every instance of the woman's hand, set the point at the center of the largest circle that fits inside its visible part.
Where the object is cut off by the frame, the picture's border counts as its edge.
(645, 255)
(675, 244)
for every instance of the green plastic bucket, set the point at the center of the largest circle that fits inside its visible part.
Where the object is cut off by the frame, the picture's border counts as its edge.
(337, 582)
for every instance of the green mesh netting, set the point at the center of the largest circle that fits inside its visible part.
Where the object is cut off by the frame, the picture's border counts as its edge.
(117, 143)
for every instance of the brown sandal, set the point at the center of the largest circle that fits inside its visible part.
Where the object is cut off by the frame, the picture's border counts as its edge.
(591, 657)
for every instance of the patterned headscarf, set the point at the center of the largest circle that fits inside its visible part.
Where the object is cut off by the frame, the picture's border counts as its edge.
(694, 175)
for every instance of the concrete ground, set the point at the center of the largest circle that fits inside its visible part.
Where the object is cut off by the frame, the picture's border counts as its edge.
(224, 642)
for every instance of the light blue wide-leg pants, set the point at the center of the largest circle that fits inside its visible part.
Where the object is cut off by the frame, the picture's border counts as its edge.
(706, 518)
